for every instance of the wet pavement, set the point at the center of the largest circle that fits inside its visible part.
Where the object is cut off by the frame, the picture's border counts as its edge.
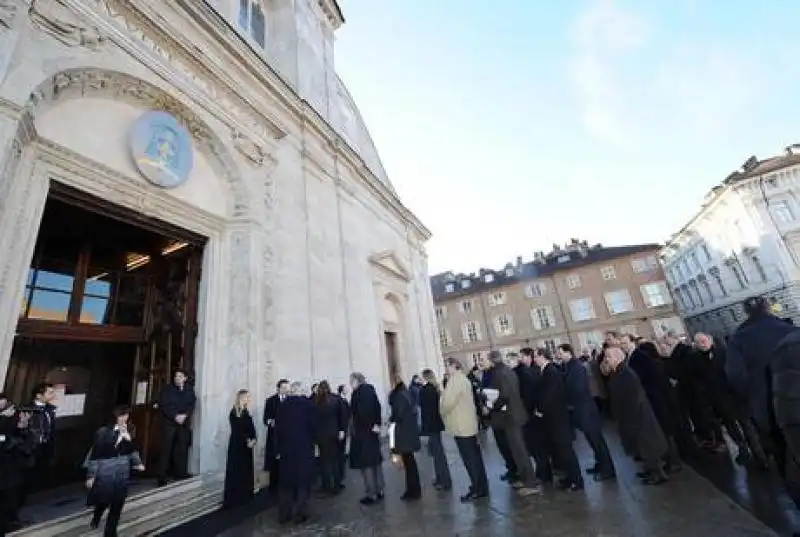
(689, 505)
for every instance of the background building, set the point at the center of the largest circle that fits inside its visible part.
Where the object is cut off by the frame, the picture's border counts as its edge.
(571, 295)
(744, 241)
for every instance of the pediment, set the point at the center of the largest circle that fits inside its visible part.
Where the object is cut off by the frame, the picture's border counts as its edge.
(391, 263)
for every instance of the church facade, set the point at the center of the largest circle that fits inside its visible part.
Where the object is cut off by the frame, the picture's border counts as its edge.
(224, 121)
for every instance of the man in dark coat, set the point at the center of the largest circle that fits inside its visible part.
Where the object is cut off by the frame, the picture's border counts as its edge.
(644, 360)
(271, 407)
(585, 414)
(638, 426)
(294, 433)
(507, 415)
(533, 431)
(365, 443)
(16, 452)
(432, 427)
(341, 392)
(176, 405)
(785, 370)
(693, 418)
(552, 408)
(42, 424)
(750, 353)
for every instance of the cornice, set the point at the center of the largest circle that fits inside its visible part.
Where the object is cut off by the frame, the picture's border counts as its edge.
(333, 12)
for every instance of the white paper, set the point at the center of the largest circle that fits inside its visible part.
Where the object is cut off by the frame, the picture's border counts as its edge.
(491, 395)
(141, 393)
(391, 435)
(71, 405)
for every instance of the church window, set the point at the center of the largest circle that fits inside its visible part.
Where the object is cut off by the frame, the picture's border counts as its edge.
(252, 20)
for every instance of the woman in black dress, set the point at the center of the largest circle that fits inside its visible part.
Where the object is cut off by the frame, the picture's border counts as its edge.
(239, 477)
(108, 470)
(406, 437)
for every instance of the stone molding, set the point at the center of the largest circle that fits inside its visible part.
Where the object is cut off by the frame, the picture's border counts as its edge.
(55, 19)
(389, 262)
(8, 12)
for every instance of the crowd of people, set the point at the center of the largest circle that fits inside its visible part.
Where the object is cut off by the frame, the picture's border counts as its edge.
(667, 398)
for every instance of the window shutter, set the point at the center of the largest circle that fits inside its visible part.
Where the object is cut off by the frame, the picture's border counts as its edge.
(537, 323)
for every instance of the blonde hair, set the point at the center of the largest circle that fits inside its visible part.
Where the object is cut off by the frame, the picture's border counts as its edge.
(237, 402)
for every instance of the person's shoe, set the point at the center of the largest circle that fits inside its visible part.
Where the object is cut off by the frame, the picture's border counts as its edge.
(407, 497)
(508, 476)
(300, 519)
(529, 491)
(516, 484)
(605, 476)
(593, 470)
(380, 496)
(570, 486)
(368, 500)
(743, 457)
(162, 482)
(472, 496)
(442, 487)
(94, 523)
(655, 479)
(643, 475)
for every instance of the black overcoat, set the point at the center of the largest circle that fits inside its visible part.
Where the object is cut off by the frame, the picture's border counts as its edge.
(239, 476)
(406, 430)
(639, 429)
(294, 436)
(429, 407)
(365, 413)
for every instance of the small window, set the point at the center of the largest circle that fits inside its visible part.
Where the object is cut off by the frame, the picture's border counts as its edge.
(497, 299)
(466, 284)
(488, 278)
(608, 272)
(536, 289)
(253, 21)
(450, 287)
(509, 273)
(564, 258)
(465, 306)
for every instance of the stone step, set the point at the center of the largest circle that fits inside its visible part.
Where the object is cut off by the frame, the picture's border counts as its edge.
(163, 499)
(156, 525)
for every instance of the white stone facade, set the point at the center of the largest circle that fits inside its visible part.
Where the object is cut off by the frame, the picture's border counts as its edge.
(311, 255)
(743, 242)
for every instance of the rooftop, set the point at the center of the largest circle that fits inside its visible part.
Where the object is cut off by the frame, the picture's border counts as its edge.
(571, 256)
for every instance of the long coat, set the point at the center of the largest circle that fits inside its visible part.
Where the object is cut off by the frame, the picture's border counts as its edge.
(551, 403)
(294, 436)
(16, 451)
(110, 465)
(639, 430)
(457, 407)
(239, 477)
(406, 431)
(505, 381)
(365, 413)
(655, 382)
(270, 414)
(429, 407)
(585, 415)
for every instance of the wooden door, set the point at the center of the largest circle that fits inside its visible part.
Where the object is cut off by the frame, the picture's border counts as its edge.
(390, 340)
(171, 331)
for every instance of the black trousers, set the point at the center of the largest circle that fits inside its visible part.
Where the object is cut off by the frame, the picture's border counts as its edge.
(293, 502)
(413, 485)
(562, 453)
(501, 440)
(791, 462)
(330, 464)
(470, 451)
(112, 521)
(602, 456)
(175, 442)
(342, 460)
(9, 502)
(536, 443)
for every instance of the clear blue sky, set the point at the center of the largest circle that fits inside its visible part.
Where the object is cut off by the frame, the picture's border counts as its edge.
(508, 125)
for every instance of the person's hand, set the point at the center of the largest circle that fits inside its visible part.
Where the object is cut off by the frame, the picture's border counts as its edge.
(270, 423)
(538, 414)
(251, 443)
(89, 483)
(139, 468)
(180, 418)
(376, 429)
(24, 420)
(341, 435)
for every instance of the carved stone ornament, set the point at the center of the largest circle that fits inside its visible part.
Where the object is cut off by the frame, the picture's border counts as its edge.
(55, 19)
(8, 11)
(250, 149)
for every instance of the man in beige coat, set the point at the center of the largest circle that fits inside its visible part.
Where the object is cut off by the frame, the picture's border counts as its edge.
(457, 407)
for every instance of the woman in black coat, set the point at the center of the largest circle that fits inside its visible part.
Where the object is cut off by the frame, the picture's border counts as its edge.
(432, 427)
(405, 438)
(108, 470)
(239, 477)
(330, 423)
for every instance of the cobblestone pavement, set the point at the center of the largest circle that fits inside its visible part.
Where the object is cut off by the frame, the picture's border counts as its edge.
(688, 506)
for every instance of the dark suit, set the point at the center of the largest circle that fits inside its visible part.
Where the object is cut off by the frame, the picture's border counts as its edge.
(507, 417)
(586, 416)
(533, 430)
(271, 408)
(177, 437)
(551, 403)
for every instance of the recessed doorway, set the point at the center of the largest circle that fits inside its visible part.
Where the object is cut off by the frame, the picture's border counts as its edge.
(109, 311)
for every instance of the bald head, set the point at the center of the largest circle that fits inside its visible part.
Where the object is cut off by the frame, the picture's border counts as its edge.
(614, 356)
(703, 341)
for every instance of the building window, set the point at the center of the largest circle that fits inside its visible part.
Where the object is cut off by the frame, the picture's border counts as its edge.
(488, 278)
(444, 338)
(714, 271)
(656, 294)
(590, 340)
(782, 211)
(252, 20)
(736, 270)
(573, 281)
(536, 289)
(550, 345)
(465, 306)
(608, 272)
(695, 261)
(497, 299)
(645, 264)
(707, 286)
(449, 287)
(441, 313)
(470, 332)
(564, 258)
(543, 318)
(466, 284)
(706, 252)
(687, 296)
(475, 358)
(759, 267)
(619, 302)
(504, 324)
(696, 288)
(509, 273)
(581, 309)
(505, 351)
(667, 324)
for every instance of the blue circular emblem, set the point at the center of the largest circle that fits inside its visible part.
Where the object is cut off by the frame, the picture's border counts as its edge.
(162, 149)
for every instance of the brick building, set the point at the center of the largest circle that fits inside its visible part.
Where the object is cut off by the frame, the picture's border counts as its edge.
(571, 295)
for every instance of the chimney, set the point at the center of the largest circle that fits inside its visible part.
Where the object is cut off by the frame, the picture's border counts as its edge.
(793, 149)
(519, 261)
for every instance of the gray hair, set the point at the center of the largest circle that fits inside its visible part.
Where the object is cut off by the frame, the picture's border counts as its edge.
(358, 377)
(495, 357)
